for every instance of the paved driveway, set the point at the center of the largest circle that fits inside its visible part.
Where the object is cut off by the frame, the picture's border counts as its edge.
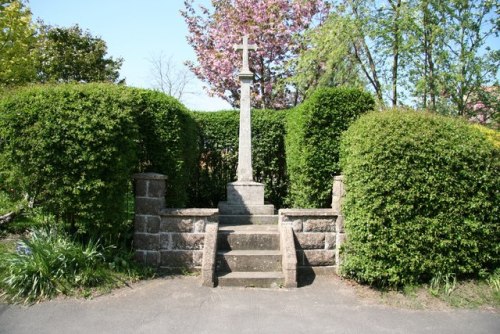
(181, 305)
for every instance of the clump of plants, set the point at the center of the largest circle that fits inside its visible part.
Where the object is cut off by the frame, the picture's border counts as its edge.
(422, 202)
(47, 263)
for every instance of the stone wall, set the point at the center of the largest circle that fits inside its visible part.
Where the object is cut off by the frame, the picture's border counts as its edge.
(318, 233)
(171, 240)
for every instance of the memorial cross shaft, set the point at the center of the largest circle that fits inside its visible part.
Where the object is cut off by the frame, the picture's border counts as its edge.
(245, 137)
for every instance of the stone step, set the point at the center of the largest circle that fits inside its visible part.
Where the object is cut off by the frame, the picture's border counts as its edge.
(239, 237)
(248, 219)
(226, 208)
(251, 279)
(248, 260)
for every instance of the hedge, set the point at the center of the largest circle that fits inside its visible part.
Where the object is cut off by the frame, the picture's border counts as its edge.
(422, 198)
(73, 149)
(218, 155)
(312, 142)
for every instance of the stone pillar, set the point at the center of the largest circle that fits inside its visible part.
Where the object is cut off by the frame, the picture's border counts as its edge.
(338, 193)
(245, 172)
(149, 193)
(149, 201)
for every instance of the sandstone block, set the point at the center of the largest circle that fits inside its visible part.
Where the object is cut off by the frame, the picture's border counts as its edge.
(176, 258)
(319, 225)
(148, 206)
(319, 257)
(152, 258)
(330, 240)
(140, 223)
(156, 188)
(310, 240)
(197, 258)
(176, 224)
(187, 241)
(146, 241)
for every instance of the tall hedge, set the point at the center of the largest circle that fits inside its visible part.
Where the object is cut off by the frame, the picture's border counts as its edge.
(73, 149)
(422, 198)
(218, 155)
(312, 142)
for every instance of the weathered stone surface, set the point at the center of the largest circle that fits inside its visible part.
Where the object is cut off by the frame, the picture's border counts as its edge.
(176, 224)
(197, 258)
(176, 258)
(146, 224)
(296, 224)
(319, 225)
(339, 224)
(156, 188)
(319, 257)
(140, 223)
(141, 188)
(146, 241)
(139, 256)
(148, 206)
(188, 241)
(245, 193)
(338, 193)
(230, 209)
(310, 240)
(199, 225)
(152, 258)
(330, 240)
(190, 212)
(208, 255)
(166, 241)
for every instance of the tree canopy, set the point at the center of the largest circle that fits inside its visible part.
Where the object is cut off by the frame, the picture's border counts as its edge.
(71, 54)
(426, 53)
(17, 44)
(274, 25)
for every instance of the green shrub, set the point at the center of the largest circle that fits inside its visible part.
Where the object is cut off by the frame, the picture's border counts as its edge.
(422, 199)
(312, 142)
(48, 264)
(73, 149)
(218, 155)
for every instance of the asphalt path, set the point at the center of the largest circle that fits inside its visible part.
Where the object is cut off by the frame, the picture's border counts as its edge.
(181, 305)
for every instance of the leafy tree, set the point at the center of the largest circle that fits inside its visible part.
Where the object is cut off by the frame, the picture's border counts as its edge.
(466, 64)
(271, 24)
(435, 51)
(17, 43)
(71, 54)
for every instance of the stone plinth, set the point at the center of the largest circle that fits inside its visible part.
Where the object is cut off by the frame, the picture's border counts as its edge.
(245, 198)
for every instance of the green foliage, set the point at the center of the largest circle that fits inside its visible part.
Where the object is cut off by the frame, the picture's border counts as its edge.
(422, 198)
(167, 135)
(218, 155)
(312, 142)
(73, 150)
(49, 263)
(17, 42)
(71, 54)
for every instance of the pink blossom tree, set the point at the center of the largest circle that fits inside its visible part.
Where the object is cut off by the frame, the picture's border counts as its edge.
(274, 25)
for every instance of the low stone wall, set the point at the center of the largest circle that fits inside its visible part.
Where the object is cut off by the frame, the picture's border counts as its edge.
(169, 239)
(318, 234)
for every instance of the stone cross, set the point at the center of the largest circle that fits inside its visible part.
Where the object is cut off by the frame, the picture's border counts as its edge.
(245, 47)
(245, 138)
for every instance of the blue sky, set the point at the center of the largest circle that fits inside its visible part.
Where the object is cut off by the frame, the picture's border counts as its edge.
(136, 31)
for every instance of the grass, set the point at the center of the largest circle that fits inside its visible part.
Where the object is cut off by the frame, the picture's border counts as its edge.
(49, 263)
(439, 294)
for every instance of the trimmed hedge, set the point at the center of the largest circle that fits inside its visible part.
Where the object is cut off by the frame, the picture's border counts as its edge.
(218, 155)
(422, 198)
(73, 149)
(312, 142)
